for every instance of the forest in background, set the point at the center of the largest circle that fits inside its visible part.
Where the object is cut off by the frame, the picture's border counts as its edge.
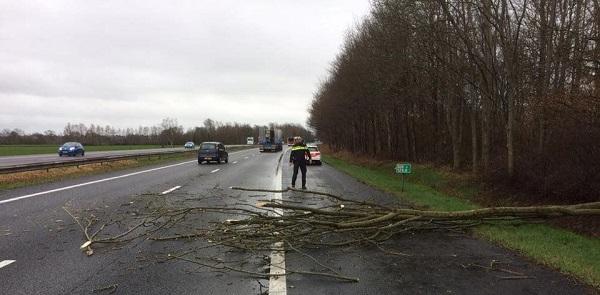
(167, 133)
(506, 88)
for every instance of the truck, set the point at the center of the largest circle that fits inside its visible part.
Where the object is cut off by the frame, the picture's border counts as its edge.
(270, 139)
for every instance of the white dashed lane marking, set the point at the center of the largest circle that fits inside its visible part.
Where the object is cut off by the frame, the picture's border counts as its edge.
(170, 190)
(234, 162)
(92, 182)
(277, 280)
(216, 170)
(6, 262)
(98, 181)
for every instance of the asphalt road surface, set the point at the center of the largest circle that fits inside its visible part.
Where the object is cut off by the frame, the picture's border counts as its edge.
(30, 159)
(39, 242)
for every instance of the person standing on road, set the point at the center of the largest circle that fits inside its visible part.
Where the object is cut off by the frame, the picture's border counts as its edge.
(298, 159)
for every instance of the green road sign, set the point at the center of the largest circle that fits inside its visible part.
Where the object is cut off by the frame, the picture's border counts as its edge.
(403, 168)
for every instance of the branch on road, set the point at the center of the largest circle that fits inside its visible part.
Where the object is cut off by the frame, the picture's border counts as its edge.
(322, 220)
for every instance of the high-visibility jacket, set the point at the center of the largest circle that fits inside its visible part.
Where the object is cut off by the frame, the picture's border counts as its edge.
(299, 153)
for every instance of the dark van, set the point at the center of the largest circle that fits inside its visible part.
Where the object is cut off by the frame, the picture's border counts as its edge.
(212, 151)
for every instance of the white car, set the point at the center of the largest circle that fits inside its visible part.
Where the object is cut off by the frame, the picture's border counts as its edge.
(189, 145)
(315, 154)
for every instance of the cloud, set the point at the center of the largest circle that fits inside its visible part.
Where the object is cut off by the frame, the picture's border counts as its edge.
(131, 63)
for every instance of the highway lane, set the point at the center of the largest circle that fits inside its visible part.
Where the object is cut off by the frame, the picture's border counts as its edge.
(30, 159)
(44, 242)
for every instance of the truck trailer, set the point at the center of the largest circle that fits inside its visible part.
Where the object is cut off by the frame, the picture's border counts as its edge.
(270, 139)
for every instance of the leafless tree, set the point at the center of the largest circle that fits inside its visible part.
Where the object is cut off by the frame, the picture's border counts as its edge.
(512, 83)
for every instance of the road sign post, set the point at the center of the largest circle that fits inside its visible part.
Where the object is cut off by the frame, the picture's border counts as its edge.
(403, 169)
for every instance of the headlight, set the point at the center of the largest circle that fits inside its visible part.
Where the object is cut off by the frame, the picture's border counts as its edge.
(71, 148)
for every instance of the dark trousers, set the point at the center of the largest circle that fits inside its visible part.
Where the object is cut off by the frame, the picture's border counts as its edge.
(302, 166)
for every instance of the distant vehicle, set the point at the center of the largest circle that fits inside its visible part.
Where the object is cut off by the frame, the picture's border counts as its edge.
(290, 141)
(71, 149)
(250, 140)
(212, 151)
(189, 145)
(270, 139)
(315, 154)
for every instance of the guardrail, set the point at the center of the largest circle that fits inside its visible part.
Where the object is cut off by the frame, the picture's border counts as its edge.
(93, 160)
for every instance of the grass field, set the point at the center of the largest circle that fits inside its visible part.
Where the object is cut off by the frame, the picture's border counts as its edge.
(18, 150)
(427, 187)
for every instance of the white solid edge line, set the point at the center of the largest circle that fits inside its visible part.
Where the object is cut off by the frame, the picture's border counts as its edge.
(277, 279)
(95, 181)
(170, 190)
(216, 170)
(6, 262)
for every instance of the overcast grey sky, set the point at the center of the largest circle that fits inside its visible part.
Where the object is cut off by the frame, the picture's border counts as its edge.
(132, 63)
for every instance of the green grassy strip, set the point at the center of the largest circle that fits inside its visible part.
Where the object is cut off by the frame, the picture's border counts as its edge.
(415, 192)
(563, 250)
(566, 251)
(17, 150)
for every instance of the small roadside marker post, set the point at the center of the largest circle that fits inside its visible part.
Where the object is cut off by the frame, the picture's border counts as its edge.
(403, 169)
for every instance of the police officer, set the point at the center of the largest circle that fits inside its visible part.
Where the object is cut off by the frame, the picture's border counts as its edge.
(298, 158)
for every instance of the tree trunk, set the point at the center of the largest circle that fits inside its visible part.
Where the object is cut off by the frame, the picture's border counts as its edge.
(389, 134)
(413, 136)
(474, 161)
(485, 141)
(510, 157)
(406, 138)
(489, 54)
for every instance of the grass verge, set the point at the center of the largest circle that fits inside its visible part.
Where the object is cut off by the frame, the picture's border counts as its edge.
(18, 150)
(560, 249)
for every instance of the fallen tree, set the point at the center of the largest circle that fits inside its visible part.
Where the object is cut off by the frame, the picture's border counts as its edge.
(292, 225)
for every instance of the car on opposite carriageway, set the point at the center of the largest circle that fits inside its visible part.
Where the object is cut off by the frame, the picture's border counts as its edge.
(71, 149)
(212, 151)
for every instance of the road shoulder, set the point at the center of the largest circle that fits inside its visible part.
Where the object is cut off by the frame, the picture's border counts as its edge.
(436, 262)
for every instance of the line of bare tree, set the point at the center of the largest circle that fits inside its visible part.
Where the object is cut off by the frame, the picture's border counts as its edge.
(167, 133)
(507, 88)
